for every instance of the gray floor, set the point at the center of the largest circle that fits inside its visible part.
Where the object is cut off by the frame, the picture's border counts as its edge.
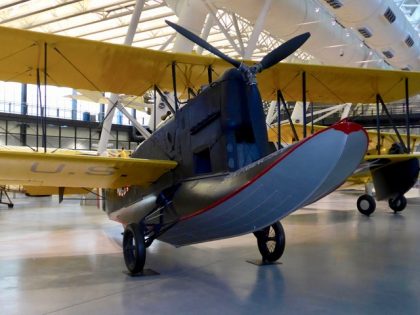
(66, 259)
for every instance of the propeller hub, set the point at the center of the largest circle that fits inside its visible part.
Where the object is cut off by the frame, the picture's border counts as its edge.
(248, 74)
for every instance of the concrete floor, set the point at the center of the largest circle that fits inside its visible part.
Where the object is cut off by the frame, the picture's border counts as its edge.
(66, 259)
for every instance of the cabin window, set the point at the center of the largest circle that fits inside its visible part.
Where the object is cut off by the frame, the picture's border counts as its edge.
(202, 163)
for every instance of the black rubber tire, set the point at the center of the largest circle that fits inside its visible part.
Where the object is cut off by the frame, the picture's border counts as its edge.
(134, 248)
(366, 204)
(10, 205)
(397, 204)
(271, 242)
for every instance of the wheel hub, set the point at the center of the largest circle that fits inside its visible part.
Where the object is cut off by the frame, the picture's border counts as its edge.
(364, 204)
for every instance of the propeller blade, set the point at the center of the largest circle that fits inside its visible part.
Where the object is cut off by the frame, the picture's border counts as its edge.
(283, 51)
(201, 42)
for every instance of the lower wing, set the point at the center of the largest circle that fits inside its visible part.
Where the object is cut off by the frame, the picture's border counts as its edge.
(51, 170)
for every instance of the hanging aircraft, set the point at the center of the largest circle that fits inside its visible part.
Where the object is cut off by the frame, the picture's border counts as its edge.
(392, 172)
(208, 172)
(160, 113)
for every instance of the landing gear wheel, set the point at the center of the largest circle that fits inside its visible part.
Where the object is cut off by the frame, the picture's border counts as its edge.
(134, 248)
(398, 203)
(271, 242)
(366, 204)
(10, 205)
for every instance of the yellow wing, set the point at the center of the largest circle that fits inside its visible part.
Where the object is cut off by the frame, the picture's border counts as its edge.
(98, 66)
(77, 171)
(393, 157)
(363, 174)
(387, 138)
(336, 85)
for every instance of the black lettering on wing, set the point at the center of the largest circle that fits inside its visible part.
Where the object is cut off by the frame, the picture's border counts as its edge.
(58, 169)
(100, 170)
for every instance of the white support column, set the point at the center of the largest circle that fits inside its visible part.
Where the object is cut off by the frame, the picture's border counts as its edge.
(107, 123)
(191, 15)
(206, 31)
(258, 27)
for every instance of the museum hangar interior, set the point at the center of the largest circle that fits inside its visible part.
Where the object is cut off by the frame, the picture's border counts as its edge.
(146, 169)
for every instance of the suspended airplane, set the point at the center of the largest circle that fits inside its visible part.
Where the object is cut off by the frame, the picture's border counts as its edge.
(160, 113)
(392, 173)
(209, 171)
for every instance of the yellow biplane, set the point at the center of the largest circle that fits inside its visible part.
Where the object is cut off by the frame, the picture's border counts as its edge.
(387, 167)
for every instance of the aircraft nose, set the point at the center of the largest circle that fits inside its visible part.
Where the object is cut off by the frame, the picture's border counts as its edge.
(347, 126)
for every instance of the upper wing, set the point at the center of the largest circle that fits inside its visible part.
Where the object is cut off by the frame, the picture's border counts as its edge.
(337, 85)
(98, 66)
(62, 170)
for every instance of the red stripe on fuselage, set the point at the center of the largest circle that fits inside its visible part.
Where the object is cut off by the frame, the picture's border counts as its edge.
(346, 129)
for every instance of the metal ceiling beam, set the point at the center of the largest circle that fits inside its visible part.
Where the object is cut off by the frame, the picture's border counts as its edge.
(168, 41)
(124, 26)
(116, 16)
(12, 4)
(154, 37)
(143, 31)
(61, 18)
(221, 27)
(39, 11)
(122, 14)
(238, 33)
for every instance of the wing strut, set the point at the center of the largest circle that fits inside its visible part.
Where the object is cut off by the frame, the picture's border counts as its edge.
(407, 114)
(174, 84)
(107, 122)
(281, 97)
(379, 100)
(304, 102)
(278, 121)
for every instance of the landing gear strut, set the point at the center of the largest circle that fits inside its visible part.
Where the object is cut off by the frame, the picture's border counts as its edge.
(134, 248)
(398, 203)
(271, 242)
(3, 191)
(366, 204)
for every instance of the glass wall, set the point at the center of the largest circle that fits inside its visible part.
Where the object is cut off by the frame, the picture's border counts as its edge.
(60, 104)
